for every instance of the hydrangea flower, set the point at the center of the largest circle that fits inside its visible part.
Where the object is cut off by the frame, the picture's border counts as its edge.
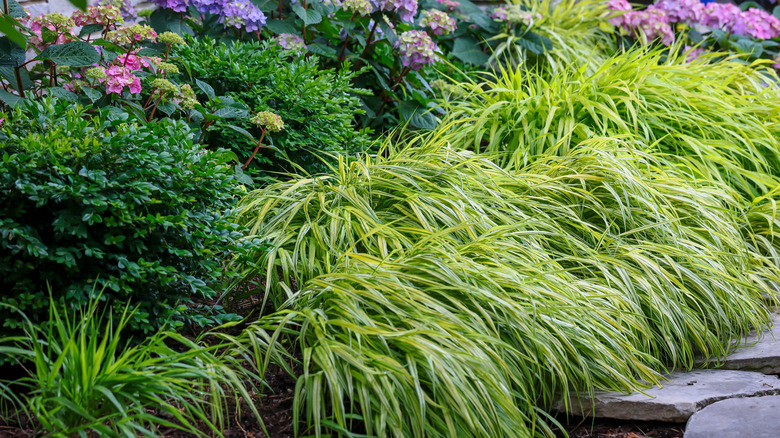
(54, 22)
(724, 16)
(131, 34)
(95, 73)
(132, 61)
(119, 77)
(649, 24)
(209, 6)
(618, 6)
(450, 4)
(174, 5)
(360, 7)
(515, 14)
(242, 13)
(691, 54)
(682, 11)
(170, 38)
(167, 67)
(406, 9)
(125, 7)
(107, 16)
(417, 49)
(439, 22)
(163, 88)
(185, 98)
(268, 121)
(760, 25)
(290, 41)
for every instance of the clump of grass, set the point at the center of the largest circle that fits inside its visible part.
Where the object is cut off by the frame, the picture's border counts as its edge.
(574, 28)
(433, 293)
(717, 119)
(86, 380)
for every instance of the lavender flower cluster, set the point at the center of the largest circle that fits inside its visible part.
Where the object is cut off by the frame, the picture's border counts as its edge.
(232, 13)
(439, 22)
(656, 21)
(417, 49)
(515, 14)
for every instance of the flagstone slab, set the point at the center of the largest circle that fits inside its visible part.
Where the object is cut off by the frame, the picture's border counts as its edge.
(684, 394)
(762, 356)
(753, 417)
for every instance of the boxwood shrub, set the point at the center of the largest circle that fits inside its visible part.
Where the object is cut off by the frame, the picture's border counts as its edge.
(91, 203)
(318, 106)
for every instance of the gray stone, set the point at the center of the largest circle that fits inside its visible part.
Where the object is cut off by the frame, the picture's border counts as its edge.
(762, 356)
(677, 399)
(754, 417)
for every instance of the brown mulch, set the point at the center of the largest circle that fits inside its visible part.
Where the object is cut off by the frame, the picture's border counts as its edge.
(578, 427)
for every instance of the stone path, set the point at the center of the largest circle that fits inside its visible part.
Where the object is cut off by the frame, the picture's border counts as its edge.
(740, 399)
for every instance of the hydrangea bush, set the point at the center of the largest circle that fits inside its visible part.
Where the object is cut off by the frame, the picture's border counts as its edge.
(719, 26)
(394, 45)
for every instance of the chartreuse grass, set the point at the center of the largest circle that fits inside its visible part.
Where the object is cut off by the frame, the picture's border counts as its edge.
(718, 119)
(85, 380)
(433, 293)
(575, 30)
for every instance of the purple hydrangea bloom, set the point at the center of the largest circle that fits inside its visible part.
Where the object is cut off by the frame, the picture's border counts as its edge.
(406, 9)
(439, 22)
(174, 5)
(724, 16)
(417, 49)
(242, 13)
(682, 11)
(290, 41)
(209, 6)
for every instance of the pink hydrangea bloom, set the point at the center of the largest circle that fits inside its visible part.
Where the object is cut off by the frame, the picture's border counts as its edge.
(760, 25)
(54, 22)
(618, 6)
(682, 11)
(724, 16)
(651, 23)
(118, 77)
(691, 54)
(132, 61)
(107, 16)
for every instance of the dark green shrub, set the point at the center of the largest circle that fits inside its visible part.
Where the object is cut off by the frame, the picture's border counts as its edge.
(137, 208)
(317, 106)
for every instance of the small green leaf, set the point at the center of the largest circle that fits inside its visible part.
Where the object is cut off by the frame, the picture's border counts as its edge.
(309, 16)
(321, 49)
(468, 49)
(207, 89)
(92, 94)
(243, 132)
(278, 26)
(10, 99)
(63, 94)
(417, 115)
(535, 43)
(90, 29)
(81, 4)
(73, 54)
(8, 28)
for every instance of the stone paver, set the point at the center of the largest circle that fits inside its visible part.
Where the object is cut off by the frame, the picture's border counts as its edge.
(754, 417)
(763, 357)
(679, 398)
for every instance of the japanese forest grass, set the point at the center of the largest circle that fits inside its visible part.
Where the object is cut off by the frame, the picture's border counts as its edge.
(433, 293)
(718, 119)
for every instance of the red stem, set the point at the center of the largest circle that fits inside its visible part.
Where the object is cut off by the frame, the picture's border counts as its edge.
(259, 142)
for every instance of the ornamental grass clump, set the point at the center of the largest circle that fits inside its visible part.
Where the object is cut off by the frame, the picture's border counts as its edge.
(718, 119)
(433, 293)
(84, 379)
